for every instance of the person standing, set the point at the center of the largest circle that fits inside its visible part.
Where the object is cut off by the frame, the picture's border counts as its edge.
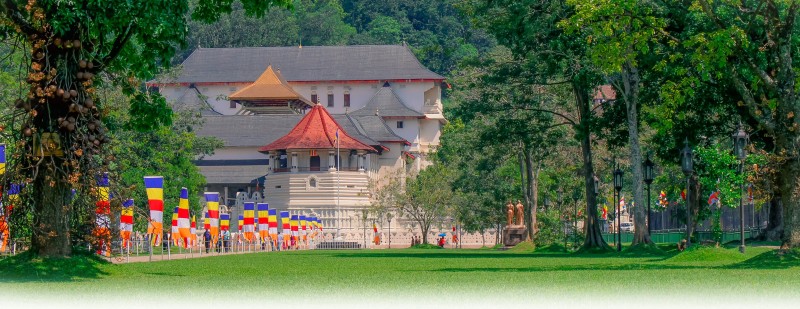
(207, 239)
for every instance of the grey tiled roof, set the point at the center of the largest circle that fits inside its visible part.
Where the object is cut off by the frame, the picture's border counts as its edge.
(309, 63)
(386, 103)
(260, 130)
(354, 130)
(248, 130)
(374, 127)
(191, 100)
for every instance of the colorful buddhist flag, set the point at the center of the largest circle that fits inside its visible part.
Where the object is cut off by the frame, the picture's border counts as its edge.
(303, 232)
(193, 231)
(2, 158)
(212, 203)
(286, 228)
(224, 222)
(713, 198)
(241, 223)
(263, 220)
(294, 223)
(12, 198)
(126, 222)
(273, 226)
(184, 223)
(206, 222)
(249, 220)
(175, 234)
(102, 216)
(155, 199)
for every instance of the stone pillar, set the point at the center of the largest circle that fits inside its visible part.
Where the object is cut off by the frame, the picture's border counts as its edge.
(361, 161)
(331, 161)
(271, 164)
(294, 162)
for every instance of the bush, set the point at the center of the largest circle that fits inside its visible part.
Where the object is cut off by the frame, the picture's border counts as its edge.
(549, 225)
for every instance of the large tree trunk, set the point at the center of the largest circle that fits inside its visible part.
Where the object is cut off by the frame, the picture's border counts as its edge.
(51, 200)
(425, 229)
(774, 231)
(693, 200)
(630, 79)
(530, 182)
(594, 239)
(790, 192)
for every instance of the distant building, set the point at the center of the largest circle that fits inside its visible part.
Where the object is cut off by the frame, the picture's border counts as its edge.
(277, 110)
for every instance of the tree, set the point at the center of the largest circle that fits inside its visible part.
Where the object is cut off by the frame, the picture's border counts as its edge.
(550, 56)
(58, 124)
(619, 33)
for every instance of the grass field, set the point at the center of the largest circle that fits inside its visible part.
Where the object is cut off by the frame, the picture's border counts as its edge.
(423, 277)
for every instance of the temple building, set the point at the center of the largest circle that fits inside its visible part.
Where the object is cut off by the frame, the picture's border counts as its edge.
(278, 111)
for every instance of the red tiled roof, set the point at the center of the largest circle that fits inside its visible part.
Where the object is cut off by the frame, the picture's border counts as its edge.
(317, 130)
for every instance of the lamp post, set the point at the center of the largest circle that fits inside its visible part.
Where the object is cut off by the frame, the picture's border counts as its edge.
(389, 218)
(618, 188)
(648, 179)
(740, 150)
(687, 168)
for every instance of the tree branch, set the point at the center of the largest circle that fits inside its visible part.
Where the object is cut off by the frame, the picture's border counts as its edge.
(11, 10)
(116, 48)
(750, 102)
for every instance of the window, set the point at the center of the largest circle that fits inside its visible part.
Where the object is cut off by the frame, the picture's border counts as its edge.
(399, 124)
(233, 104)
(330, 99)
(347, 99)
(314, 98)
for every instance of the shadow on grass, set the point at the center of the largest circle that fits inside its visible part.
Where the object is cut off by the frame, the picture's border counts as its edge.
(770, 260)
(450, 254)
(621, 267)
(27, 267)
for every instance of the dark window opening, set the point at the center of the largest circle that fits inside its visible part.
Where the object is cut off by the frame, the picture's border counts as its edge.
(399, 124)
(233, 104)
(346, 99)
(314, 163)
(330, 100)
(314, 98)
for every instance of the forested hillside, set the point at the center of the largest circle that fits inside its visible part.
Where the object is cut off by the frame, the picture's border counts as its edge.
(434, 29)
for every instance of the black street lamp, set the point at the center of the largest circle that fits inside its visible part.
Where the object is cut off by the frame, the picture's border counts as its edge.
(618, 188)
(740, 150)
(688, 169)
(389, 218)
(648, 179)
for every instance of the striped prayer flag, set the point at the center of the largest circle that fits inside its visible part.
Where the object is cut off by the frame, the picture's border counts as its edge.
(206, 222)
(184, 223)
(102, 216)
(249, 220)
(2, 158)
(175, 233)
(154, 185)
(12, 198)
(212, 203)
(285, 228)
(241, 223)
(126, 222)
(193, 231)
(263, 220)
(224, 222)
(302, 228)
(273, 226)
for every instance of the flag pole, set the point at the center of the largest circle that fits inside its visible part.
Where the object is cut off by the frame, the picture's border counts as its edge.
(338, 188)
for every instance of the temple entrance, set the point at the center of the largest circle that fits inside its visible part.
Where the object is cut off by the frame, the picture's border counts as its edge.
(314, 163)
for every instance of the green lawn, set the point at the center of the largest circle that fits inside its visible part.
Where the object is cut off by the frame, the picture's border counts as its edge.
(422, 277)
